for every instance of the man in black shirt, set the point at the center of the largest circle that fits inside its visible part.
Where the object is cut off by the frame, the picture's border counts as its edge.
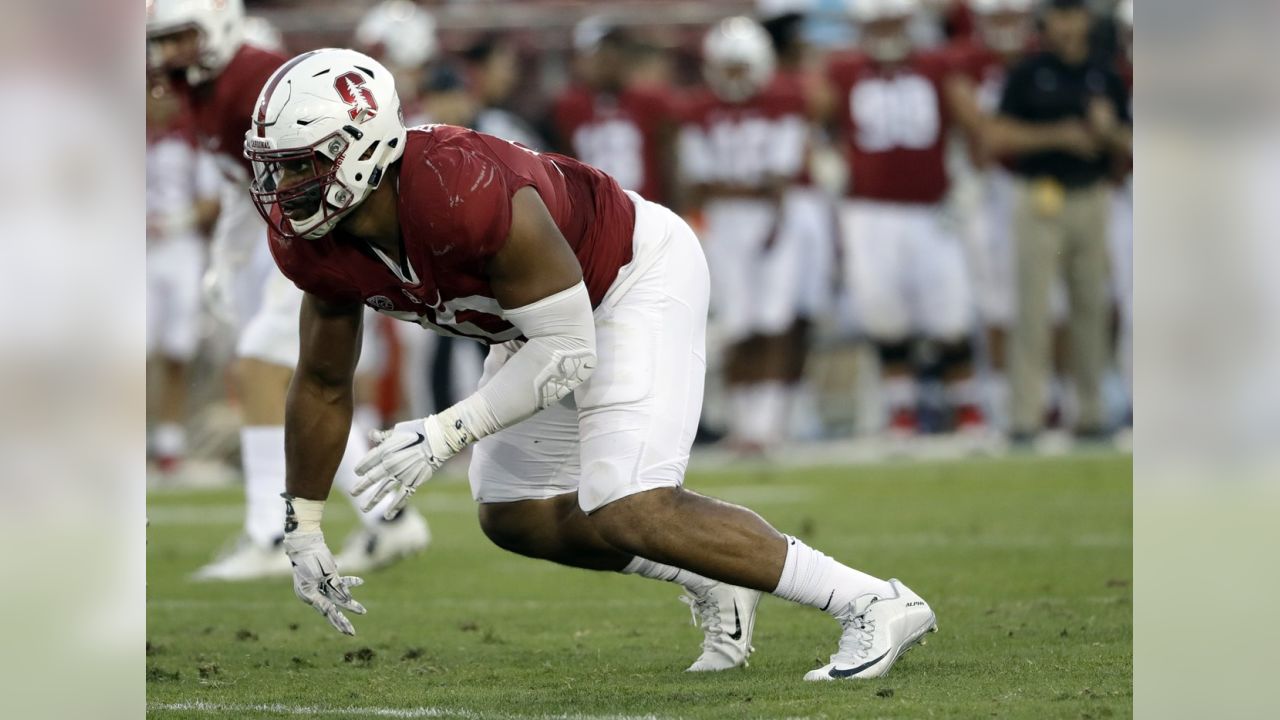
(1063, 119)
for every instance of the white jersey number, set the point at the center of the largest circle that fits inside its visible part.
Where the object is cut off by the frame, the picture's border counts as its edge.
(900, 112)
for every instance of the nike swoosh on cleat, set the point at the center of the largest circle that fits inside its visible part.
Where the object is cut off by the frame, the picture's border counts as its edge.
(737, 622)
(833, 594)
(854, 671)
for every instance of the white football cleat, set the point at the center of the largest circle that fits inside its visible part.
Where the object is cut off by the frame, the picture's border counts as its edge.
(727, 615)
(247, 560)
(369, 549)
(877, 631)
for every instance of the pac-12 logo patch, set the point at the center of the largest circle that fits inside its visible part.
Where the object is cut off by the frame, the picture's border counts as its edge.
(353, 91)
(379, 302)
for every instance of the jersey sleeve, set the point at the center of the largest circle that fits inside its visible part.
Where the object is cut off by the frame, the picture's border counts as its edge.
(464, 197)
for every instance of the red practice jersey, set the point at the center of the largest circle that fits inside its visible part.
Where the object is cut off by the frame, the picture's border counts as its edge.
(455, 189)
(619, 134)
(893, 123)
(746, 144)
(221, 108)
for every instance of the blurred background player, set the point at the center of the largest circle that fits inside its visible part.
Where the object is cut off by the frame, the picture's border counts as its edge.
(742, 146)
(809, 213)
(200, 46)
(182, 202)
(1064, 117)
(1002, 32)
(611, 120)
(402, 36)
(905, 265)
(492, 71)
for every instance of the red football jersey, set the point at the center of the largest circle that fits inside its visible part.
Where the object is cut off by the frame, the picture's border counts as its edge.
(619, 134)
(222, 107)
(894, 123)
(455, 189)
(747, 143)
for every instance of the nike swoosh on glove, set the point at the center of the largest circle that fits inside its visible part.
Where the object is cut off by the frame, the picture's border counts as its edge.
(316, 581)
(402, 458)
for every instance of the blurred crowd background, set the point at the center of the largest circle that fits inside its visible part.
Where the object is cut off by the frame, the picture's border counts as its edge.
(917, 213)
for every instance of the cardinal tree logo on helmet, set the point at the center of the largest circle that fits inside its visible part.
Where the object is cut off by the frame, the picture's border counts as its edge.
(380, 302)
(353, 91)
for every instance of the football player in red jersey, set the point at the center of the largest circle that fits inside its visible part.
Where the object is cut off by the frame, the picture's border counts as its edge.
(608, 121)
(743, 142)
(182, 191)
(593, 301)
(1004, 30)
(199, 45)
(905, 265)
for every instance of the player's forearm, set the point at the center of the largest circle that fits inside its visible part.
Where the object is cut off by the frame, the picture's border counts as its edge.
(317, 423)
(1006, 136)
(559, 356)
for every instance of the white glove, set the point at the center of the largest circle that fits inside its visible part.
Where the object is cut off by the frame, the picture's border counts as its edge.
(316, 581)
(402, 458)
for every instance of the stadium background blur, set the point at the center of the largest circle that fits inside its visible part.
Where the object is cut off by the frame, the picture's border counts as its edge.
(518, 58)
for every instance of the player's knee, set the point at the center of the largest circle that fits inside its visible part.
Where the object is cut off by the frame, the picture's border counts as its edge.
(507, 527)
(635, 524)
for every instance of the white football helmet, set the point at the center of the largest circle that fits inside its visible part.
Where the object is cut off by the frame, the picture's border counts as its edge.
(737, 58)
(1004, 25)
(1124, 13)
(326, 127)
(893, 43)
(259, 32)
(400, 32)
(220, 24)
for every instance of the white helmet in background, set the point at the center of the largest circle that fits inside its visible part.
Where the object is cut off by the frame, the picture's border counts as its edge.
(400, 32)
(220, 24)
(1124, 20)
(737, 58)
(326, 126)
(1004, 25)
(1124, 13)
(883, 32)
(260, 33)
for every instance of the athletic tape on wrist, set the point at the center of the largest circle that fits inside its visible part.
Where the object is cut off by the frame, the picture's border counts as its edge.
(301, 516)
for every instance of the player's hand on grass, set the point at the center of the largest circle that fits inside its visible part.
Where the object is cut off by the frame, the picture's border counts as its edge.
(316, 581)
(402, 458)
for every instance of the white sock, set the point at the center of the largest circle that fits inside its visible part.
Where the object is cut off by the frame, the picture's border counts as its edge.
(899, 392)
(262, 456)
(998, 397)
(774, 404)
(169, 440)
(811, 578)
(963, 392)
(694, 583)
(739, 411)
(345, 478)
(367, 418)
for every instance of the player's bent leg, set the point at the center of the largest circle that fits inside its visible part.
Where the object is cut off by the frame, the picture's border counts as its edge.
(879, 619)
(556, 529)
(553, 529)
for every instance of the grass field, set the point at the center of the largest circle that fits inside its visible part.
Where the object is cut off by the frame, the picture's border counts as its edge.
(1026, 561)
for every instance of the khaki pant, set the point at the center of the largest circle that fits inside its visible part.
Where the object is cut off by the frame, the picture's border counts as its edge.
(1060, 234)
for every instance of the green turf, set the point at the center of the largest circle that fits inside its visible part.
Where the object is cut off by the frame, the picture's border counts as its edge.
(1027, 563)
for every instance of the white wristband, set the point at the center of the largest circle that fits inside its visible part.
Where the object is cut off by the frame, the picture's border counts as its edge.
(302, 516)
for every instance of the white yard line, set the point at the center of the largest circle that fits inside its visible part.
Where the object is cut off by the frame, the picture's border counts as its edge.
(242, 709)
